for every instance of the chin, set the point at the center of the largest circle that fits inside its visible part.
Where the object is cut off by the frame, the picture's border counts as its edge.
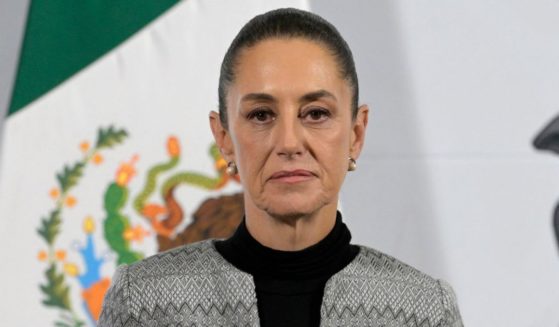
(290, 209)
(286, 215)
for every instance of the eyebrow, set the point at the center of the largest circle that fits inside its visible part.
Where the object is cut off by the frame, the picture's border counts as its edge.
(309, 97)
(313, 96)
(258, 97)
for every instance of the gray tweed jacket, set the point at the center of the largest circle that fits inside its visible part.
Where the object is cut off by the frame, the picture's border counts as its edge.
(195, 286)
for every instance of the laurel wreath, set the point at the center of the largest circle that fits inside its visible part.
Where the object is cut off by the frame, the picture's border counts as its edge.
(56, 289)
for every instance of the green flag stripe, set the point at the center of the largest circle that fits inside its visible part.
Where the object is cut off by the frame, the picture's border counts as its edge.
(64, 36)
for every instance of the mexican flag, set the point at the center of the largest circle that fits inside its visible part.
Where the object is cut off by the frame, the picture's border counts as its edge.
(106, 153)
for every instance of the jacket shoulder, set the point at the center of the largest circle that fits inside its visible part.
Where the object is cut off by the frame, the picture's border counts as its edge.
(199, 258)
(378, 287)
(380, 266)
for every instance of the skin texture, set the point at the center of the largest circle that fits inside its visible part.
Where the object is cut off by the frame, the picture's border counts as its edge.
(290, 111)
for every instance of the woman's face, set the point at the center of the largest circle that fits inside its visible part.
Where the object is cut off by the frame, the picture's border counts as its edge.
(290, 127)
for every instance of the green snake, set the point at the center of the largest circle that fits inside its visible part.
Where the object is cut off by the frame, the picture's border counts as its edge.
(173, 211)
(151, 182)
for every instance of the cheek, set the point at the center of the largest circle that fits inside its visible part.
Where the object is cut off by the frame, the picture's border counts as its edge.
(333, 154)
(250, 156)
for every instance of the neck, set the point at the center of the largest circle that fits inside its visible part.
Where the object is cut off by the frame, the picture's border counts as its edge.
(292, 233)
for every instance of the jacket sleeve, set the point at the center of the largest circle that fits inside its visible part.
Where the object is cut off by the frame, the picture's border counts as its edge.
(116, 306)
(450, 306)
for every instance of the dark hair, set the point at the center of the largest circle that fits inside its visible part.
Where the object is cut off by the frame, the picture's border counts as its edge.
(287, 23)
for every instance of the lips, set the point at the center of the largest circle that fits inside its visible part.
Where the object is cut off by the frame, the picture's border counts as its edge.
(292, 176)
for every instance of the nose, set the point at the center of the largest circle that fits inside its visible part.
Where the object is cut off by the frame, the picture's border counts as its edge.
(289, 137)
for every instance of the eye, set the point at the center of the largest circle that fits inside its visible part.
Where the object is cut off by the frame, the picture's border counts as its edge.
(316, 115)
(261, 115)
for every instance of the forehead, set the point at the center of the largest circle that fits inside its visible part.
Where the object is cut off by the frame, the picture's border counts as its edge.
(287, 66)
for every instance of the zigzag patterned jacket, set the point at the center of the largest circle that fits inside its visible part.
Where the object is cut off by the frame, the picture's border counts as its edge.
(195, 286)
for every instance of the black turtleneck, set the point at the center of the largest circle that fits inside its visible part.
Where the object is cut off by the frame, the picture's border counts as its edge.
(290, 284)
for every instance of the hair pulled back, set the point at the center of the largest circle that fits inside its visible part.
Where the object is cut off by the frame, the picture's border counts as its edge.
(287, 23)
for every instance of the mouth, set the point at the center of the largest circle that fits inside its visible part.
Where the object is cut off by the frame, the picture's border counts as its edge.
(292, 176)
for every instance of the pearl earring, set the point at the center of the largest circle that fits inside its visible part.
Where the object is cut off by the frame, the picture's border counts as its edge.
(231, 169)
(352, 164)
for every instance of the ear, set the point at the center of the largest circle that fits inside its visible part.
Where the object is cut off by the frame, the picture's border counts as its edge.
(221, 136)
(359, 126)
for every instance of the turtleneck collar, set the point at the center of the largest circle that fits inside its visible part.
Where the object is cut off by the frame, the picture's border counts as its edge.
(319, 261)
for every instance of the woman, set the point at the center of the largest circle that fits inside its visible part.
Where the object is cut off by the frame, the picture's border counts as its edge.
(289, 124)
